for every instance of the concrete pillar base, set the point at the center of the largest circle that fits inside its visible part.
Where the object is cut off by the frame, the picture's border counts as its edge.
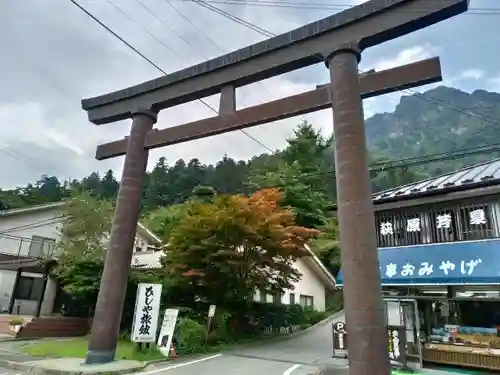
(98, 357)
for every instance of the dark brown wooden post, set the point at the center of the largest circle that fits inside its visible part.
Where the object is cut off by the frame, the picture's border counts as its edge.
(39, 302)
(12, 300)
(108, 312)
(364, 311)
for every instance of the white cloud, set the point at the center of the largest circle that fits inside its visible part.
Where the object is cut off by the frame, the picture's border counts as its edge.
(407, 56)
(494, 83)
(472, 74)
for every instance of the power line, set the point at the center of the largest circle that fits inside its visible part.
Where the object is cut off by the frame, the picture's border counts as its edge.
(468, 112)
(202, 33)
(136, 51)
(382, 166)
(33, 225)
(328, 7)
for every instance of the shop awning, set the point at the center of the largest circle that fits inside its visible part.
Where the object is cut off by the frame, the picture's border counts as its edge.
(455, 263)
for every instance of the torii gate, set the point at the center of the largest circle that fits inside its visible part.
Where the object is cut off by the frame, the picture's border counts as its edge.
(337, 40)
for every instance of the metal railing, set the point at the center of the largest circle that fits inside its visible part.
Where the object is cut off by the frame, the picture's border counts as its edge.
(26, 247)
(465, 220)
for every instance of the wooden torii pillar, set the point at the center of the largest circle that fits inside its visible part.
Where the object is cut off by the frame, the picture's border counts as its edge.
(338, 40)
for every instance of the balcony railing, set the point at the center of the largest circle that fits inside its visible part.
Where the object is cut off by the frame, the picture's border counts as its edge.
(467, 220)
(26, 247)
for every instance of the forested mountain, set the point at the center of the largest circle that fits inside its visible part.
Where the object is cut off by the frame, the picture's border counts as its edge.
(441, 120)
(446, 120)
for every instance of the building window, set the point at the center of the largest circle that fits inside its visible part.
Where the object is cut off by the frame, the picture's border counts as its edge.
(292, 298)
(41, 246)
(263, 296)
(138, 245)
(475, 222)
(306, 301)
(277, 297)
(29, 288)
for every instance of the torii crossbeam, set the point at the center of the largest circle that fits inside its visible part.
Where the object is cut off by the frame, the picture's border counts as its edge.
(372, 84)
(337, 40)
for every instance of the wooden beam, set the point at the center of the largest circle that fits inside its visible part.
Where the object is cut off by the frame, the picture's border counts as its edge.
(227, 102)
(369, 24)
(373, 84)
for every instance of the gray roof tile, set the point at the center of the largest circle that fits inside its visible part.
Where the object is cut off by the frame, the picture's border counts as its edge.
(473, 175)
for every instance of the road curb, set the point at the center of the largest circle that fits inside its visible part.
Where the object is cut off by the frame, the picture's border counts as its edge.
(29, 368)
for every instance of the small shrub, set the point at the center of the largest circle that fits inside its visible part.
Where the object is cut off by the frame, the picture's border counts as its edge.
(311, 316)
(16, 321)
(190, 336)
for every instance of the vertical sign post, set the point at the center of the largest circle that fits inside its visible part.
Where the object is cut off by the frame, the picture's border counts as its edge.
(397, 344)
(211, 314)
(147, 309)
(167, 331)
(339, 339)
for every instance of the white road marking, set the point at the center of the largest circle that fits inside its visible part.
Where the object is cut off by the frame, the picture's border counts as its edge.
(180, 365)
(291, 369)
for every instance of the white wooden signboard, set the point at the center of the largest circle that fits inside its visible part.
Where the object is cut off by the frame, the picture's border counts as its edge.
(147, 310)
(211, 311)
(167, 331)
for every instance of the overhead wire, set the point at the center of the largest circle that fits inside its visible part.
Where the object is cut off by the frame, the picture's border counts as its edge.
(157, 67)
(475, 11)
(202, 33)
(468, 112)
(260, 30)
(382, 166)
(259, 3)
(33, 225)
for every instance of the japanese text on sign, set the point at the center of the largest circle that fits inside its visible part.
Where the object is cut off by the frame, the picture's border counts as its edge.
(397, 343)
(339, 338)
(146, 313)
(467, 268)
(443, 221)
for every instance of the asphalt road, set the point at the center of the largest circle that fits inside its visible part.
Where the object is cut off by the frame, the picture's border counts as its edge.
(302, 354)
(5, 371)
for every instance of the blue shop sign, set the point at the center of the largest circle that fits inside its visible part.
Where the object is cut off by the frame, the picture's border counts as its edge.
(471, 262)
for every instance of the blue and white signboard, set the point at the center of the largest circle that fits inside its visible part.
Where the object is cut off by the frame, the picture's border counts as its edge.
(455, 263)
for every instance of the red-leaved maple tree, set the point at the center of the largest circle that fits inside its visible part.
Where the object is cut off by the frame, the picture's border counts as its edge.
(228, 248)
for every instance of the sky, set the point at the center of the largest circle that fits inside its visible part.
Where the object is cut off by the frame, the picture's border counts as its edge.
(54, 55)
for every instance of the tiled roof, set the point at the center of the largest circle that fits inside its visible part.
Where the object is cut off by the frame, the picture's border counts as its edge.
(466, 178)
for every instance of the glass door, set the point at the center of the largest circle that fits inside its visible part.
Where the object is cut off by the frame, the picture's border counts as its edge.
(404, 312)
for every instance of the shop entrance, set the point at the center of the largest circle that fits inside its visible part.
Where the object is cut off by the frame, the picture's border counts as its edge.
(404, 312)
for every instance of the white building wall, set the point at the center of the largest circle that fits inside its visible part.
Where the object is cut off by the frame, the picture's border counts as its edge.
(25, 307)
(23, 227)
(308, 285)
(16, 233)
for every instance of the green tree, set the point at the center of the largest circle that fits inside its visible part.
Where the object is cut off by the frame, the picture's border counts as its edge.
(204, 193)
(327, 245)
(300, 172)
(81, 249)
(109, 186)
(163, 220)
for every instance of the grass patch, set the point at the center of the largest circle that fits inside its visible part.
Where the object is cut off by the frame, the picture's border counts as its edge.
(77, 348)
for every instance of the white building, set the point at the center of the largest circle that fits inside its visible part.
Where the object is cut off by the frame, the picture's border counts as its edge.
(25, 235)
(310, 290)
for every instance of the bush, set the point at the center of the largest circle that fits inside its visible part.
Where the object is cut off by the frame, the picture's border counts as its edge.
(311, 316)
(190, 336)
(16, 322)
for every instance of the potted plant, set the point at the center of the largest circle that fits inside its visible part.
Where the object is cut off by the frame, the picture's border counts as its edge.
(15, 324)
